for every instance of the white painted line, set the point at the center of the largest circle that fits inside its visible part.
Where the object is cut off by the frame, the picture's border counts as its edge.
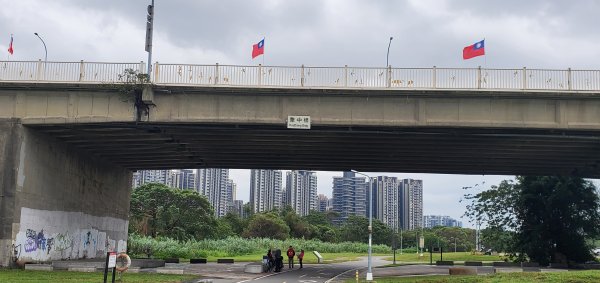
(334, 277)
(268, 275)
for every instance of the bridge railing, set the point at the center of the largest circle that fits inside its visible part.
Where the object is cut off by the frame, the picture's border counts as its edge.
(308, 77)
(81, 72)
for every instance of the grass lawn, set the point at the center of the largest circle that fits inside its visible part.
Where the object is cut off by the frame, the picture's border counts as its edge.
(309, 257)
(569, 276)
(459, 256)
(31, 276)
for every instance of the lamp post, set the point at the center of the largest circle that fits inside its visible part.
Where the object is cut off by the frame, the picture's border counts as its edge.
(369, 271)
(45, 49)
(387, 60)
(454, 245)
(387, 65)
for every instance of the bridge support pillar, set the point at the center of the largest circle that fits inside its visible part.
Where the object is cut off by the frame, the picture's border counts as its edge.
(57, 202)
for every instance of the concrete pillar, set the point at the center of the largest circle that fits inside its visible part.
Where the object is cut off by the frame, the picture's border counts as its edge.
(57, 202)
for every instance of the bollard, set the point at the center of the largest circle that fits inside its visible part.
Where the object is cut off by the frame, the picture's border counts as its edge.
(357, 276)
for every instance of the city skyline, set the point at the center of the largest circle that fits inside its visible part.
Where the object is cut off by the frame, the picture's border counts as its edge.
(438, 199)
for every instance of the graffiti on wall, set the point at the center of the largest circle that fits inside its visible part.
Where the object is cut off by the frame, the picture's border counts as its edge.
(83, 243)
(53, 235)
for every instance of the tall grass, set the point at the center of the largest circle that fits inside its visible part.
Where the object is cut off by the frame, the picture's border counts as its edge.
(235, 246)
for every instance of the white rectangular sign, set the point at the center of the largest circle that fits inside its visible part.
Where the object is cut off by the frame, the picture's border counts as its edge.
(112, 260)
(298, 122)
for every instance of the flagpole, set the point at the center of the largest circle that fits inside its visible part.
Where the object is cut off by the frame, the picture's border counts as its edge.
(263, 55)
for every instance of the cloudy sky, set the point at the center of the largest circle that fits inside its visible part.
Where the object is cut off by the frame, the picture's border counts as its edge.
(533, 34)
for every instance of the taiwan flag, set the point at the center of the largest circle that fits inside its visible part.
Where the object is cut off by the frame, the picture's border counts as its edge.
(10, 46)
(258, 49)
(474, 50)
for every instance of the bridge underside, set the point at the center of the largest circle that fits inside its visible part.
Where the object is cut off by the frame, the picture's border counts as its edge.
(372, 149)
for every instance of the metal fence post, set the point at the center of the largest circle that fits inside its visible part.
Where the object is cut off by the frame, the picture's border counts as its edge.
(39, 70)
(156, 74)
(389, 76)
(569, 79)
(524, 78)
(260, 74)
(434, 76)
(81, 70)
(346, 75)
(216, 73)
(479, 77)
(302, 75)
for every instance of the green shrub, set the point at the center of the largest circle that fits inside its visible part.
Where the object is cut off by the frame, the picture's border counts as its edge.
(235, 246)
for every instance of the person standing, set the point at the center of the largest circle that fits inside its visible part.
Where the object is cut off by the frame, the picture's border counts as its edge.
(291, 253)
(300, 257)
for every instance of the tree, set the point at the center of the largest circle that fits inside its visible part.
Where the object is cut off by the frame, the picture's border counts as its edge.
(355, 229)
(551, 216)
(157, 210)
(266, 225)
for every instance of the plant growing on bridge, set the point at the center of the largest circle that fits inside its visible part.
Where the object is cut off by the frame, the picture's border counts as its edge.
(131, 87)
(550, 217)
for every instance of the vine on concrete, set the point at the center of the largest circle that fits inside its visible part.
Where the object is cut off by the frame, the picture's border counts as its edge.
(131, 87)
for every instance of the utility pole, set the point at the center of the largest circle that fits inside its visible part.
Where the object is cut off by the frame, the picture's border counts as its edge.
(149, 31)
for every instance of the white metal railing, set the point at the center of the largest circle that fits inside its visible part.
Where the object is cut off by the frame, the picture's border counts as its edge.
(307, 77)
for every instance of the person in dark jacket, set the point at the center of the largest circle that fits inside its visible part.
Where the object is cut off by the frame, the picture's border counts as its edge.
(278, 260)
(291, 253)
(300, 257)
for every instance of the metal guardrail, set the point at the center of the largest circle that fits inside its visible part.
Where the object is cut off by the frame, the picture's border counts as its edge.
(307, 77)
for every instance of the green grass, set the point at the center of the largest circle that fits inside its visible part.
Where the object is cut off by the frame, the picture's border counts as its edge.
(459, 256)
(550, 277)
(30, 276)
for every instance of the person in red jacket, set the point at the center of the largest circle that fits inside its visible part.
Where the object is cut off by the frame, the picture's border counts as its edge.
(300, 257)
(291, 253)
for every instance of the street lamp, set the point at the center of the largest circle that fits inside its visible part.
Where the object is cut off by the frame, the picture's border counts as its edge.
(45, 49)
(454, 238)
(369, 271)
(387, 60)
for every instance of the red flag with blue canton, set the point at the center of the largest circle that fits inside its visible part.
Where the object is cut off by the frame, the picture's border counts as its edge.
(474, 50)
(10, 46)
(258, 49)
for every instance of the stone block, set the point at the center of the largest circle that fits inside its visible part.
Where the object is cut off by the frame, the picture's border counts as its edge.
(197, 260)
(225, 260)
(505, 264)
(444, 262)
(44, 267)
(171, 260)
(473, 263)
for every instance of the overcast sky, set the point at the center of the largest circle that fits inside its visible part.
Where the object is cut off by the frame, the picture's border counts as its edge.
(533, 34)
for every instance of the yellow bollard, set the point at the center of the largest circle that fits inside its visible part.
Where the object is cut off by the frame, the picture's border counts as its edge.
(357, 276)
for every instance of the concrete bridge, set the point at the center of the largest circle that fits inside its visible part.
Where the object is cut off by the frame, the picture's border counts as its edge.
(68, 144)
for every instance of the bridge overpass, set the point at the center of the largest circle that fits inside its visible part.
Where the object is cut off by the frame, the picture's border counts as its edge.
(70, 138)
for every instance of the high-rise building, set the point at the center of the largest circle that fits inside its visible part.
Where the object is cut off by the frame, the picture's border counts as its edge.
(238, 208)
(301, 189)
(349, 196)
(411, 204)
(386, 197)
(150, 176)
(431, 221)
(184, 179)
(231, 191)
(323, 203)
(212, 183)
(265, 190)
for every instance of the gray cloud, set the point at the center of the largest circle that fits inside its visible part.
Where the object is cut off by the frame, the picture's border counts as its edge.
(534, 33)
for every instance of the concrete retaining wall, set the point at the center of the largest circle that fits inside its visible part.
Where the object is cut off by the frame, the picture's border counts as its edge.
(57, 202)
